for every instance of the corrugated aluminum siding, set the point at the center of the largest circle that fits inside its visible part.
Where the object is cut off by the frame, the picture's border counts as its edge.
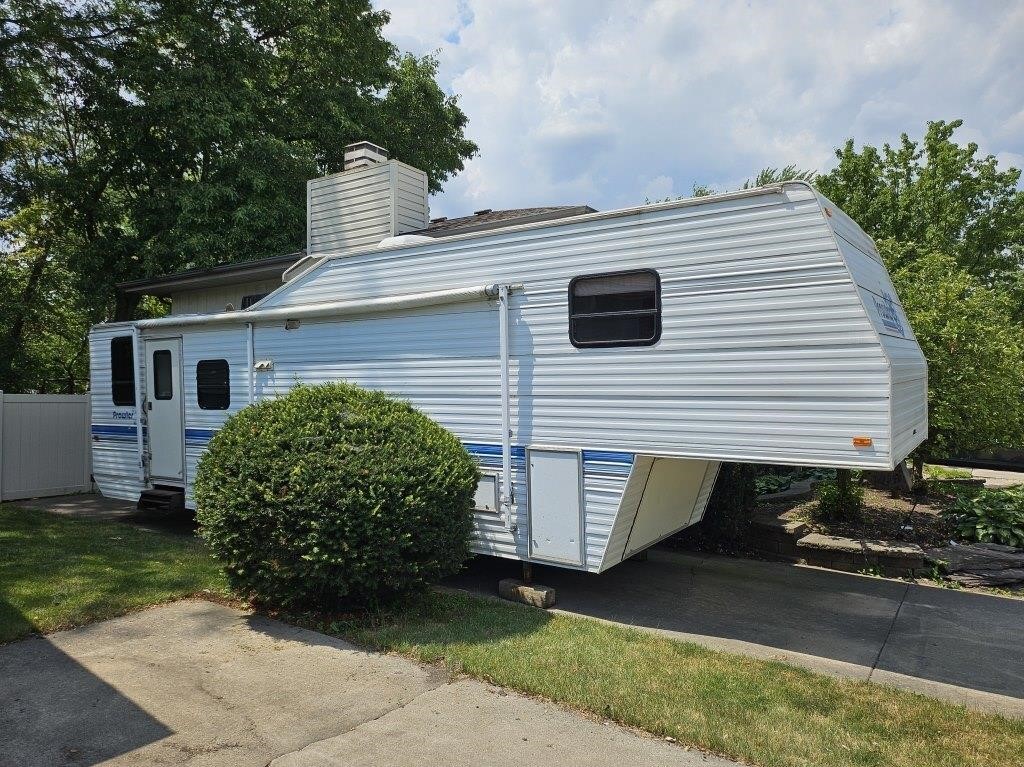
(115, 454)
(908, 369)
(200, 425)
(766, 353)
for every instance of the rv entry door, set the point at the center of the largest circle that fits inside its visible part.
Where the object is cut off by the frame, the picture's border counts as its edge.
(164, 411)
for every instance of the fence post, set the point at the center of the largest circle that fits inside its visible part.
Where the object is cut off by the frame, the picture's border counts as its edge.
(1, 446)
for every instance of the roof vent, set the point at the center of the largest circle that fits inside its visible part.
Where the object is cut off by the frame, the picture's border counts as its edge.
(363, 154)
(482, 212)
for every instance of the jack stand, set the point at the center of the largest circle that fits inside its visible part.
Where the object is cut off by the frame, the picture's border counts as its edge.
(528, 573)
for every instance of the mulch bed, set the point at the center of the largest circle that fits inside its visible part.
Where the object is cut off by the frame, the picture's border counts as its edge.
(912, 519)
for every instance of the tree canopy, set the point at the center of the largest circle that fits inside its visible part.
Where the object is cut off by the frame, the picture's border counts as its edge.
(935, 196)
(139, 138)
(950, 226)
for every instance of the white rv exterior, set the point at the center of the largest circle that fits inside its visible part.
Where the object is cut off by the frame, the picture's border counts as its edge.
(781, 341)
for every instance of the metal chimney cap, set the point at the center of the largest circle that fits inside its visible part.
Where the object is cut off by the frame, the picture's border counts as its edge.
(363, 154)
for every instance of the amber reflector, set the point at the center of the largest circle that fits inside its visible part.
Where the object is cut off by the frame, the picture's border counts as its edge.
(862, 442)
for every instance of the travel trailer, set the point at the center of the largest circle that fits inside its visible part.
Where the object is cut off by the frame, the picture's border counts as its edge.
(600, 366)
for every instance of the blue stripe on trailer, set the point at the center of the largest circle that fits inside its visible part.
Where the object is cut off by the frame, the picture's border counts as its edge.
(199, 436)
(607, 456)
(594, 461)
(113, 432)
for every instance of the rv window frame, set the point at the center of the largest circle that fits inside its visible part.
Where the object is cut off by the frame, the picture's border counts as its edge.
(158, 391)
(200, 387)
(127, 379)
(610, 344)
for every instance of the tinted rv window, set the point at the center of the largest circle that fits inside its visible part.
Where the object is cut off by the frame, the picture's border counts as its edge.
(122, 371)
(162, 386)
(617, 309)
(212, 385)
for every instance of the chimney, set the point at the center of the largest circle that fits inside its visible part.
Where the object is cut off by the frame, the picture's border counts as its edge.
(363, 154)
(372, 199)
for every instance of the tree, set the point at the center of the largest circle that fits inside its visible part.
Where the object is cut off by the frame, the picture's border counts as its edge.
(936, 196)
(975, 354)
(150, 137)
(950, 226)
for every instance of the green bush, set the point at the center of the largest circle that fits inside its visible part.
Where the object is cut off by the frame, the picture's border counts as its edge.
(335, 497)
(839, 500)
(991, 516)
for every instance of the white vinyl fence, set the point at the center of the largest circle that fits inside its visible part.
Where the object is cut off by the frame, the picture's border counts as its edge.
(44, 445)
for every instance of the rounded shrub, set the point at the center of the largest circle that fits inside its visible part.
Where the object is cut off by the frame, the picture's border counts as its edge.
(334, 497)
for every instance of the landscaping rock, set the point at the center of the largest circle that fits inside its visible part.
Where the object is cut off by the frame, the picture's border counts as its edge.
(981, 564)
(516, 591)
(892, 558)
(775, 535)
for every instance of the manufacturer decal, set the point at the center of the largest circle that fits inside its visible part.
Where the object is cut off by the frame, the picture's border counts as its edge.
(889, 313)
(123, 415)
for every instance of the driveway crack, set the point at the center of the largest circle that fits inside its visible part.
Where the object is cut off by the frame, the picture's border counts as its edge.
(357, 725)
(888, 633)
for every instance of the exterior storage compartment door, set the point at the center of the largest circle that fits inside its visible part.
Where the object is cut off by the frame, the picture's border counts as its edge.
(555, 487)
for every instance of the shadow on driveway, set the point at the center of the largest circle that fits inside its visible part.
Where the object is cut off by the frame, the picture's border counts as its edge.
(93, 506)
(868, 628)
(85, 720)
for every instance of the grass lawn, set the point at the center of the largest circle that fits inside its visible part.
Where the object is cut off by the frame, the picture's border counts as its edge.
(761, 712)
(57, 572)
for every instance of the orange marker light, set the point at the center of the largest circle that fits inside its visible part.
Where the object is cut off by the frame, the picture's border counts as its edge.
(862, 442)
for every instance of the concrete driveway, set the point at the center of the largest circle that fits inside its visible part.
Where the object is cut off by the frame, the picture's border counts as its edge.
(964, 647)
(196, 683)
(960, 646)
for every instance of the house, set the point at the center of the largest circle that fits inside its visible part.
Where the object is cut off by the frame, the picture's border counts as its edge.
(240, 284)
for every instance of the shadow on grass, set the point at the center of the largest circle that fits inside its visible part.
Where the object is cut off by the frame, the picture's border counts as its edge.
(425, 621)
(967, 640)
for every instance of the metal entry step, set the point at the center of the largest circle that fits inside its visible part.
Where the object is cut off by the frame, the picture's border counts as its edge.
(165, 500)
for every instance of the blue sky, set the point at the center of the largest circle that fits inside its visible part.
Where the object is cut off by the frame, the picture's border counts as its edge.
(609, 103)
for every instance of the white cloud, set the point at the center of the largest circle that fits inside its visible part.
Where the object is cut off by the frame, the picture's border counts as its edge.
(607, 103)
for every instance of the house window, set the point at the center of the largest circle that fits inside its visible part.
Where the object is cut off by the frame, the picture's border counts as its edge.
(122, 371)
(163, 388)
(213, 385)
(615, 309)
(252, 298)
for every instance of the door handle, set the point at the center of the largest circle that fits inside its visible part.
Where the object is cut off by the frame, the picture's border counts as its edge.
(149, 405)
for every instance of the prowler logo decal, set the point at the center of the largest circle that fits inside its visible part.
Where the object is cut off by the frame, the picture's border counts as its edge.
(889, 313)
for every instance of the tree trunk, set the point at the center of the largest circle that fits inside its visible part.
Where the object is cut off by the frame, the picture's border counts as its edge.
(126, 306)
(843, 479)
(13, 340)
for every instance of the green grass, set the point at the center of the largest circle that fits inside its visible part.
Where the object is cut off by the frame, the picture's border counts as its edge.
(946, 472)
(762, 712)
(57, 572)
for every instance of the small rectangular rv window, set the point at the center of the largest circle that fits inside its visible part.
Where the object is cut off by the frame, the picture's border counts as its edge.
(615, 309)
(163, 388)
(213, 389)
(122, 371)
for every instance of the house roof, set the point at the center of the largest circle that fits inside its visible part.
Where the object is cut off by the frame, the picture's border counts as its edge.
(275, 266)
(222, 274)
